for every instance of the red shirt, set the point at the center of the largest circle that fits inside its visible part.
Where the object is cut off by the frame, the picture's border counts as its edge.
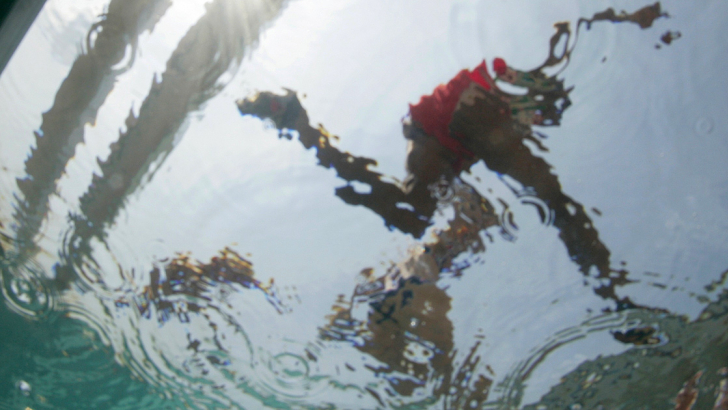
(434, 112)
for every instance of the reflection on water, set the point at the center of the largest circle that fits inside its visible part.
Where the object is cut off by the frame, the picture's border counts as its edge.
(187, 333)
(184, 286)
(463, 122)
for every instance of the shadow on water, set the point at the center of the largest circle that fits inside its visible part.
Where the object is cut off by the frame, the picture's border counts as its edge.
(110, 41)
(214, 46)
(76, 104)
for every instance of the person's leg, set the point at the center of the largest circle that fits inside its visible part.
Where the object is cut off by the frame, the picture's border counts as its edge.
(428, 164)
(486, 128)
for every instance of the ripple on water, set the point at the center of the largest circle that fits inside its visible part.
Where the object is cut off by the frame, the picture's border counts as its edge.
(544, 212)
(704, 125)
(25, 288)
(286, 374)
(186, 332)
(639, 328)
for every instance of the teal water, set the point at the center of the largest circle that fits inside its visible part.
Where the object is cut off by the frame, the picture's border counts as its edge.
(61, 363)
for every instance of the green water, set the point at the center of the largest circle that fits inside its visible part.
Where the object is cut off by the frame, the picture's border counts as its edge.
(66, 366)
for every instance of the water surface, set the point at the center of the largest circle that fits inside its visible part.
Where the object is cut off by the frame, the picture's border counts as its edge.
(254, 204)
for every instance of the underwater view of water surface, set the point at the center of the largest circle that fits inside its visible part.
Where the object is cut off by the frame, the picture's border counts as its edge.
(325, 204)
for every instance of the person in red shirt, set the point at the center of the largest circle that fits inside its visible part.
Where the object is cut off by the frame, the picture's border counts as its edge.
(444, 156)
(462, 122)
(470, 119)
(433, 113)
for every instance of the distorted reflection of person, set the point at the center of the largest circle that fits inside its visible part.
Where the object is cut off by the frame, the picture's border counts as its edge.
(406, 326)
(464, 121)
(467, 120)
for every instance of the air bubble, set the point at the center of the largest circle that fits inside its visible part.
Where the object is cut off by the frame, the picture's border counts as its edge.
(24, 290)
(24, 387)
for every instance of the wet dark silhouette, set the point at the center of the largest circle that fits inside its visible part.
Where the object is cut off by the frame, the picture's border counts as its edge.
(289, 116)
